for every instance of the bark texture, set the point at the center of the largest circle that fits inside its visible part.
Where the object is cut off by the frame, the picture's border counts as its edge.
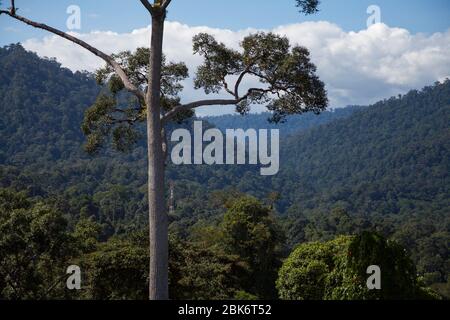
(158, 222)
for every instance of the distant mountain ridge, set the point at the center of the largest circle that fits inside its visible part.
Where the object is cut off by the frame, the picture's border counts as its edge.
(385, 166)
(294, 123)
(368, 159)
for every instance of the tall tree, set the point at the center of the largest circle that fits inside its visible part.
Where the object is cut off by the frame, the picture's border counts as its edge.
(251, 233)
(35, 248)
(288, 85)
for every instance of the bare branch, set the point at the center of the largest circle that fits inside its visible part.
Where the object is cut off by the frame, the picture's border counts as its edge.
(158, 6)
(11, 9)
(147, 5)
(193, 105)
(239, 81)
(108, 59)
(260, 90)
(227, 89)
(165, 4)
(243, 74)
(213, 102)
(128, 121)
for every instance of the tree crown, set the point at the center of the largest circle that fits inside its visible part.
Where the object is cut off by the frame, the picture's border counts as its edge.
(116, 113)
(287, 77)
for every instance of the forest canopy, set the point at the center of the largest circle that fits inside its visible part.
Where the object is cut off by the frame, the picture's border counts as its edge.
(380, 168)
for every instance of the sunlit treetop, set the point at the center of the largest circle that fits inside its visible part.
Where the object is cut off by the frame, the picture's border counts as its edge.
(287, 78)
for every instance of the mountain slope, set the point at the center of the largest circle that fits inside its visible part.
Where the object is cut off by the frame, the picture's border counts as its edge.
(391, 158)
(385, 166)
(42, 106)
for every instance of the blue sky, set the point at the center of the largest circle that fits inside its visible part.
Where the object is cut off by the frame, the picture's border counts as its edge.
(126, 15)
(409, 49)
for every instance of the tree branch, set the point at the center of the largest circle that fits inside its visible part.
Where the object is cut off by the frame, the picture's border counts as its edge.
(160, 5)
(147, 5)
(204, 103)
(165, 4)
(108, 59)
(213, 102)
(243, 74)
(238, 82)
(227, 89)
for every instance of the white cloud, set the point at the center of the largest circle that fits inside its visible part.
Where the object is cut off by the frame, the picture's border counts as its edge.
(357, 67)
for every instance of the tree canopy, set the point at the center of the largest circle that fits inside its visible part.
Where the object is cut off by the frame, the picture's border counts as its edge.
(336, 270)
(289, 85)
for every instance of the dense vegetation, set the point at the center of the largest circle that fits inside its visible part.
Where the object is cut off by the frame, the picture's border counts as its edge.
(382, 168)
(337, 270)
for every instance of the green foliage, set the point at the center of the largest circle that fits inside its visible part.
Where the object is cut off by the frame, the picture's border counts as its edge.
(398, 271)
(117, 270)
(431, 242)
(199, 273)
(87, 234)
(98, 121)
(220, 62)
(336, 270)
(381, 168)
(386, 166)
(307, 273)
(34, 247)
(47, 100)
(285, 72)
(251, 233)
(244, 296)
(116, 115)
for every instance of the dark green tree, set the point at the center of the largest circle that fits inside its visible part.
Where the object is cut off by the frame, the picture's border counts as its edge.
(117, 270)
(87, 233)
(251, 233)
(337, 270)
(284, 72)
(34, 248)
(399, 275)
(204, 273)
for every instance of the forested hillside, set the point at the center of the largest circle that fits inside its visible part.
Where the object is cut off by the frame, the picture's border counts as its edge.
(42, 106)
(384, 168)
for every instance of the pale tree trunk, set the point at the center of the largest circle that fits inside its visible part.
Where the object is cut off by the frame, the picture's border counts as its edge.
(158, 222)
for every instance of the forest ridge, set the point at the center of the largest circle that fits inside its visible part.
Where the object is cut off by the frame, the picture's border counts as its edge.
(381, 168)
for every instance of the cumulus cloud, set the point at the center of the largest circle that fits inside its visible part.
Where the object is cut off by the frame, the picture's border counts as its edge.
(357, 67)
